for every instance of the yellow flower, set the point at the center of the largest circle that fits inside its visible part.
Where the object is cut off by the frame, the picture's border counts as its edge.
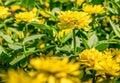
(20, 34)
(4, 12)
(102, 62)
(115, 18)
(17, 77)
(49, 70)
(17, 7)
(42, 45)
(72, 19)
(46, 4)
(54, 69)
(79, 2)
(61, 33)
(96, 9)
(27, 16)
(89, 57)
(8, 32)
(114, 53)
(109, 66)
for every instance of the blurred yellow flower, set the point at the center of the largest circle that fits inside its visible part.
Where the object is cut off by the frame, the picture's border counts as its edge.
(55, 70)
(115, 18)
(79, 2)
(8, 32)
(93, 9)
(4, 12)
(47, 70)
(17, 7)
(46, 4)
(20, 34)
(72, 19)
(17, 77)
(42, 46)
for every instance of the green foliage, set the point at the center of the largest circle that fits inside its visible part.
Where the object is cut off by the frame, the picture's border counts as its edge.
(21, 41)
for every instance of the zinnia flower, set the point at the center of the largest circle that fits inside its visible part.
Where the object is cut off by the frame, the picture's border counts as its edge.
(79, 2)
(4, 12)
(72, 19)
(46, 70)
(102, 62)
(30, 16)
(56, 70)
(96, 9)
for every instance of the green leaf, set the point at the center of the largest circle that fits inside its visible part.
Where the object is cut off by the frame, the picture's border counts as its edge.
(1, 50)
(7, 39)
(65, 48)
(1, 25)
(111, 10)
(33, 37)
(27, 3)
(84, 41)
(14, 46)
(9, 2)
(41, 26)
(92, 40)
(8, 20)
(16, 60)
(63, 1)
(116, 28)
(102, 46)
(64, 39)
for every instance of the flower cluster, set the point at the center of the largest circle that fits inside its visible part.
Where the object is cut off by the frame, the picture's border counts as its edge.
(72, 19)
(4, 12)
(56, 70)
(96, 9)
(100, 61)
(79, 2)
(26, 16)
(17, 7)
(49, 70)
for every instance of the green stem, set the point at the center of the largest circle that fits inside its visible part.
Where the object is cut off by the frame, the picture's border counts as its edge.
(74, 41)
(93, 80)
(25, 29)
(24, 49)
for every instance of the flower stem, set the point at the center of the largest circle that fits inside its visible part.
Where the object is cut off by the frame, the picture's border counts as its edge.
(74, 41)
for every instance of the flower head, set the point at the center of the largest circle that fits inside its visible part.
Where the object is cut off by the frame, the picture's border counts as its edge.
(27, 16)
(4, 12)
(79, 2)
(19, 76)
(89, 57)
(102, 62)
(72, 19)
(17, 7)
(114, 53)
(54, 69)
(96, 9)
